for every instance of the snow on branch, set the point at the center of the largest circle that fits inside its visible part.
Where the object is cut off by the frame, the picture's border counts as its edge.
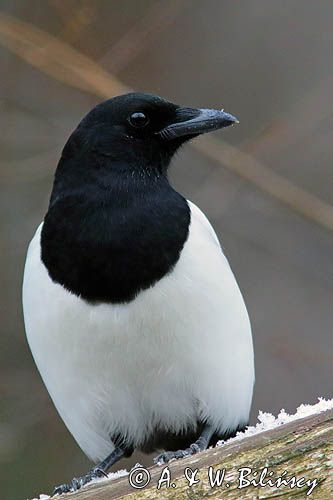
(288, 456)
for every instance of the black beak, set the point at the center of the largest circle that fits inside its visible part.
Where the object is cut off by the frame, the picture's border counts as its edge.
(190, 121)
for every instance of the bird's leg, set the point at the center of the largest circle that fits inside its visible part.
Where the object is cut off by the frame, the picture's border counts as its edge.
(99, 470)
(200, 444)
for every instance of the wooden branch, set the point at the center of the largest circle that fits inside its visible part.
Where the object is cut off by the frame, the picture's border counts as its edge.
(303, 448)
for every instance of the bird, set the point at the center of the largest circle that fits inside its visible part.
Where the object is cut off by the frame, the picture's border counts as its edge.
(132, 313)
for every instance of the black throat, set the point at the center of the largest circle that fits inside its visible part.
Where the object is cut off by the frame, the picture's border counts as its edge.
(113, 233)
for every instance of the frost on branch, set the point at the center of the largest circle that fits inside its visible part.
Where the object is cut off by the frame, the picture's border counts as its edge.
(297, 448)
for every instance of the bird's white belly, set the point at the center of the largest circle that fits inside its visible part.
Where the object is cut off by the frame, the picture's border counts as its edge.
(180, 351)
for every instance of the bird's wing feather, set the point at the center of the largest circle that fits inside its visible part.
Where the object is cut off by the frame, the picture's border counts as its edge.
(202, 219)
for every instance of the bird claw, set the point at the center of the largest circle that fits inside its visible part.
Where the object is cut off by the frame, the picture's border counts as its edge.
(99, 472)
(77, 482)
(167, 456)
(62, 488)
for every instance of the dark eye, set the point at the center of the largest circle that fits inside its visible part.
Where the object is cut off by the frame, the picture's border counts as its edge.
(138, 119)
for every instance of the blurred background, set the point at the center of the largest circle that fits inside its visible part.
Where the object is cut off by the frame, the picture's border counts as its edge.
(266, 185)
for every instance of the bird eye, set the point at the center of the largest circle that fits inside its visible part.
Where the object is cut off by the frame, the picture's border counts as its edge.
(138, 119)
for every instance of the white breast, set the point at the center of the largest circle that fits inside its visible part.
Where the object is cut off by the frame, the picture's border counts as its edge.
(182, 349)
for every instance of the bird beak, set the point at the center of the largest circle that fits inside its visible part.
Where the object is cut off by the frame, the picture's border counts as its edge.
(191, 121)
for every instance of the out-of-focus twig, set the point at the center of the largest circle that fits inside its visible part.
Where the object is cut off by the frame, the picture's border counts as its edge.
(249, 168)
(69, 66)
(294, 126)
(156, 19)
(56, 58)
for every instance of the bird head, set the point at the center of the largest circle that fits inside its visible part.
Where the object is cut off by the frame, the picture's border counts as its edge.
(139, 131)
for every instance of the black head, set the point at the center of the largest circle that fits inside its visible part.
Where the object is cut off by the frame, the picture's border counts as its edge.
(141, 131)
(115, 226)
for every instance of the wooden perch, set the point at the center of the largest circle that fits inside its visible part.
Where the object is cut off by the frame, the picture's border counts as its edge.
(303, 448)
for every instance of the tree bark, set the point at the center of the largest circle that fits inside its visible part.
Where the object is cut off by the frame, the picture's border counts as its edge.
(303, 448)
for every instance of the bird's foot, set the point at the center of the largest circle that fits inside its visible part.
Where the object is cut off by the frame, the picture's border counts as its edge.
(166, 456)
(77, 482)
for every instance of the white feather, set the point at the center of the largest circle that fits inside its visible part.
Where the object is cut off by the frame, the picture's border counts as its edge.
(181, 350)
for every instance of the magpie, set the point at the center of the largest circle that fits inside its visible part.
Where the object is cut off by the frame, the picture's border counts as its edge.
(132, 313)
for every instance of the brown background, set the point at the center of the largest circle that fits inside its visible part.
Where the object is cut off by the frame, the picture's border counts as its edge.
(268, 62)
